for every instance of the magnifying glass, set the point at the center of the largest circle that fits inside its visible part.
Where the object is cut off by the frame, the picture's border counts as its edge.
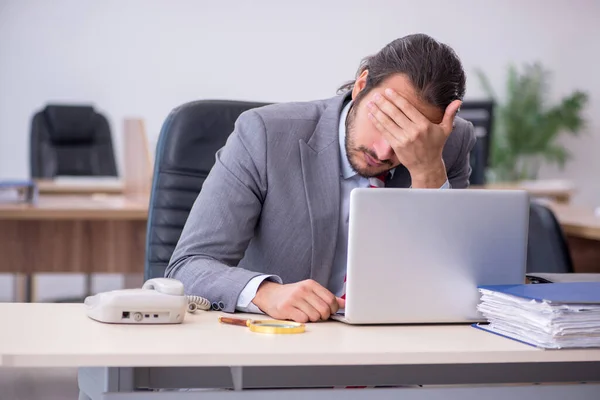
(266, 325)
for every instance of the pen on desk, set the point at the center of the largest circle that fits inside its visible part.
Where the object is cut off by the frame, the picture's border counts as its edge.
(234, 321)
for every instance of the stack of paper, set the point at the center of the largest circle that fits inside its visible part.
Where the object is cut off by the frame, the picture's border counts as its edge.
(552, 316)
(17, 191)
(83, 181)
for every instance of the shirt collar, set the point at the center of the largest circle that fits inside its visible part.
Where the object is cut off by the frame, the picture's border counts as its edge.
(346, 168)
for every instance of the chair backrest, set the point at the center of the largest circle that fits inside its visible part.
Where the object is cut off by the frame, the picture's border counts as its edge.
(481, 115)
(185, 154)
(71, 140)
(547, 248)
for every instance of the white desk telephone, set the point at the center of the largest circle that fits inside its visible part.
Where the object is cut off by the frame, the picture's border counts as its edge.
(159, 301)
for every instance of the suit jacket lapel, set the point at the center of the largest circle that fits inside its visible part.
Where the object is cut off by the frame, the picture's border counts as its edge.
(320, 158)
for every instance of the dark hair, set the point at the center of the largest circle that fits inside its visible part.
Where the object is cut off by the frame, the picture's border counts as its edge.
(433, 68)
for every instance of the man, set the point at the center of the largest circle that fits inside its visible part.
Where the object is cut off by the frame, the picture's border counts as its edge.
(268, 232)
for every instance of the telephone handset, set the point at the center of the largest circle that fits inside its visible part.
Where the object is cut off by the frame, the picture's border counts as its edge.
(159, 301)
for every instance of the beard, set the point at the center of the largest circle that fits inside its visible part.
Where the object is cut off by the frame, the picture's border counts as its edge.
(354, 153)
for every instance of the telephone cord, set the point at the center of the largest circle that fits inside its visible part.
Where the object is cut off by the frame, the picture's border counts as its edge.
(197, 303)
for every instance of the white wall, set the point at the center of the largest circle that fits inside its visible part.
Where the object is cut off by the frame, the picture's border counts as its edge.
(142, 58)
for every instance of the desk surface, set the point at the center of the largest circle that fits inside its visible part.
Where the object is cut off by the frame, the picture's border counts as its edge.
(69, 207)
(79, 186)
(577, 221)
(61, 335)
(560, 191)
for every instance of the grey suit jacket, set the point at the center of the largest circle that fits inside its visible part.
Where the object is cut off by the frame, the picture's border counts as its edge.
(270, 204)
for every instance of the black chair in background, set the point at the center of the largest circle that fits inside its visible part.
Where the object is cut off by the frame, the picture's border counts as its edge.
(185, 154)
(71, 140)
(481, 115)
(547, 248)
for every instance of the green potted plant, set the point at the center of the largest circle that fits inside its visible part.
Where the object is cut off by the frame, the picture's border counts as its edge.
(526, 127)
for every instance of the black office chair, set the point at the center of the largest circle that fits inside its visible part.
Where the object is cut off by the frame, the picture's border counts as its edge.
(71, 140)
(185, 154)
(481, 115)
(547, 248)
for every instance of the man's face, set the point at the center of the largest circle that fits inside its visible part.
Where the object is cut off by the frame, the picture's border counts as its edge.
(368, 152)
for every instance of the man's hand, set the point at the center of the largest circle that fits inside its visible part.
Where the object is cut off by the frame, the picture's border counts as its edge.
(301, 302)
(417, 142)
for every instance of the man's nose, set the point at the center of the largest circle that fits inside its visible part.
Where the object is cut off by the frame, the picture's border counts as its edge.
(383, 150)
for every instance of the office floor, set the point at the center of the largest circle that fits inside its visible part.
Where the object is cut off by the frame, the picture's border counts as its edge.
(50, 287)
(38, 384)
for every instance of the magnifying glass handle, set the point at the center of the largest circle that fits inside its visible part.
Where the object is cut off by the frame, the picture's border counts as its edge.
(234, 321)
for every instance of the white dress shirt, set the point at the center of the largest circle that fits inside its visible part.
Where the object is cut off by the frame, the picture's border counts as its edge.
(349, 180)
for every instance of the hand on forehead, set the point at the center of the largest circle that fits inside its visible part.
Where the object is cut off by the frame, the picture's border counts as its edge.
(404, 89)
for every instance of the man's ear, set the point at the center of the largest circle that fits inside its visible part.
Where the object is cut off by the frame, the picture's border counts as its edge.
(360, 83)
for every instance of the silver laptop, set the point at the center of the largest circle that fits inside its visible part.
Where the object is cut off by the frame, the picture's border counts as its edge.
(418, 256)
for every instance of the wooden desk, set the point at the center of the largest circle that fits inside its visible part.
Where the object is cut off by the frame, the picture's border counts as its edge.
(58, 187)
(555, 191)
(75, 234)
(582, 229)
(329, 353)
(82, 207)
(576, 221)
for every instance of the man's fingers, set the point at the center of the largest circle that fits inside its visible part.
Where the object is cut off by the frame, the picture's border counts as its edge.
(393, 140)
(320, 305)
(447, 123)
(392, 111)
(297, 315)
(307, 308)
(404, 105)
(341, 302)
(327, 297)
(384, 119)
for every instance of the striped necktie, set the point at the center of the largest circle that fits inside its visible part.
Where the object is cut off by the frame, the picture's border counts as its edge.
(374, 182)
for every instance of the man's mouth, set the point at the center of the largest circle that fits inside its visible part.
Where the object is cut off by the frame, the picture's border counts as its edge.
(371, 161)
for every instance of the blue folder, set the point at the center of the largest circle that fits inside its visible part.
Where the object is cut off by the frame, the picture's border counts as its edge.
(485, 328)
(6, 183)
(557, 293)
(27, 190)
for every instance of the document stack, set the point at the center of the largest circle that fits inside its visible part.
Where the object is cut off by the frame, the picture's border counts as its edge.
(18, 192)
(549, 316)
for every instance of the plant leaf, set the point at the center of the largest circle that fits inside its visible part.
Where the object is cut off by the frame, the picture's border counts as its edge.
(557, 154)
